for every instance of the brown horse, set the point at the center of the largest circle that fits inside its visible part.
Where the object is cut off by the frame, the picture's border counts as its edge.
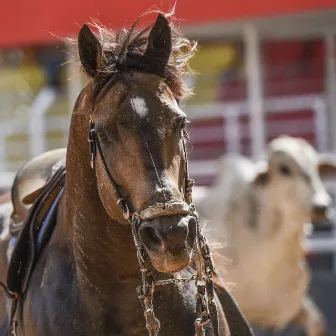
(84, 281)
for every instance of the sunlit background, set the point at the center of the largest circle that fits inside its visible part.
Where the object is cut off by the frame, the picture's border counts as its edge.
(264, 68)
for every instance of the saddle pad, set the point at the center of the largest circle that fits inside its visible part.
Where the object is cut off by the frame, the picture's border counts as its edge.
(35, 233)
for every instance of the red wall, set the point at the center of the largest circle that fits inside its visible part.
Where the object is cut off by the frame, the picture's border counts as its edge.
(290, 68)
(32, 21)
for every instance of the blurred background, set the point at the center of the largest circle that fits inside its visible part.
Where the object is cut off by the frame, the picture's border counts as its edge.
(265, 68)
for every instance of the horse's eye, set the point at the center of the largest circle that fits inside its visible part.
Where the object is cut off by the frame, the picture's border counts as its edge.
(285, 170)
(126, 123)
(103, 137)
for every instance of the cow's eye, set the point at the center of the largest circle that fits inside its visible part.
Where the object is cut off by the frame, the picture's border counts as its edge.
(285, 170)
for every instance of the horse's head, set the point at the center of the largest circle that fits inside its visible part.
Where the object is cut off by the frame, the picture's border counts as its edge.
(136, 84)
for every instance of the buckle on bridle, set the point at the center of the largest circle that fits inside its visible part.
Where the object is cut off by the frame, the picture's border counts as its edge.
(124, 207)
(92, 142)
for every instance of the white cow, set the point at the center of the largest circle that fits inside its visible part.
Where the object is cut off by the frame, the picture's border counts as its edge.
(257, 212)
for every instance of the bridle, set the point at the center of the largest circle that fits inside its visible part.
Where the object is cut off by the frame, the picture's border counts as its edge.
(206, 308)
(205, 304)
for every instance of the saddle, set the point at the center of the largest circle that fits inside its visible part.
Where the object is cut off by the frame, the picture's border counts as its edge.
(31, 179)
(36, 192)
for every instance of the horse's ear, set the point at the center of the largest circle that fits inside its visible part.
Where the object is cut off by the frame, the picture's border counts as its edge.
(159, 42)
(90, 51)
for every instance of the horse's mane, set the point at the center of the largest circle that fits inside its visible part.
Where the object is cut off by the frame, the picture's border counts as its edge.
(129, 44)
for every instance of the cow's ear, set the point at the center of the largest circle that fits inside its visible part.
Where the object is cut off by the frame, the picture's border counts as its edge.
(327, 166)
(262, 174)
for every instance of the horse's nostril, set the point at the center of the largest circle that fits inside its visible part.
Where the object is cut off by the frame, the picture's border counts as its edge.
(191, 231)
(149, 237)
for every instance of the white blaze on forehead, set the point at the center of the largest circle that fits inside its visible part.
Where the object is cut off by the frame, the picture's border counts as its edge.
(139, 106)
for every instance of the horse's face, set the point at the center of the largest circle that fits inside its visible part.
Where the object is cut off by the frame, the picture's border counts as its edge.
(140, 128)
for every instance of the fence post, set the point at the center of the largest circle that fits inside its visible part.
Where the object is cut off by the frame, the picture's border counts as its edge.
(321, 125)
(331, 85)
(36, 122)
(254, 80)
(232, 130)
(3, 146)
(74, 77)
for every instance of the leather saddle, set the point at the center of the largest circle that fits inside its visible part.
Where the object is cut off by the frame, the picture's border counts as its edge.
(36, 193)
(31, 179)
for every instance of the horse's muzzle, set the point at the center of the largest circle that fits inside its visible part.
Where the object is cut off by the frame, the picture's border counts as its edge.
(169, 241)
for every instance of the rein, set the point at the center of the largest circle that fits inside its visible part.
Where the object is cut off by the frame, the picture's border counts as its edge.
(206, 308)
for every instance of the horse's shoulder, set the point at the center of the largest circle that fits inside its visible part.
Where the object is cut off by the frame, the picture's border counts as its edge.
(53, 288)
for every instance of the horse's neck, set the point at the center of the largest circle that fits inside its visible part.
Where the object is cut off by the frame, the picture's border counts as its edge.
(103, 248)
